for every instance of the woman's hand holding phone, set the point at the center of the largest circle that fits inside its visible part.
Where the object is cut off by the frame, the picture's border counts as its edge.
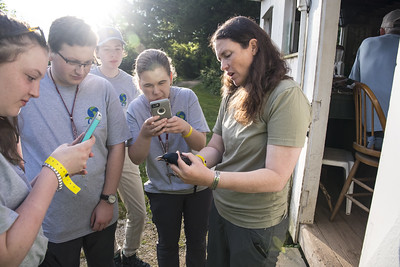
(90, 129)
(154, 126)
(74, 156)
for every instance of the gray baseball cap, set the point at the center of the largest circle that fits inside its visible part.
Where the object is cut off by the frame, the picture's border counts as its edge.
(108, 33)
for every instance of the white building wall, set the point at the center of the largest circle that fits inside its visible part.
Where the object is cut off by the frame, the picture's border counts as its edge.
(280, 26)
(316, 50)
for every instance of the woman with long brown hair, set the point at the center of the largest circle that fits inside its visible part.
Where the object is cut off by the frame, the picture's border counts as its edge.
(258, 136)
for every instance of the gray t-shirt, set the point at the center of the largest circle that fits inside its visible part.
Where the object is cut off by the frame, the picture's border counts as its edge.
(184, 104)
(284, 122)
(45, 124)
(13, 191)
(123, 84)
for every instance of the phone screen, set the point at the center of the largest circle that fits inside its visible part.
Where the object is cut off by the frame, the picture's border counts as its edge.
(89, 131)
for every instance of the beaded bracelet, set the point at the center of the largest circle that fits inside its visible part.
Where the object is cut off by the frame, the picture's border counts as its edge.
(59, 179)
(189, 134)
(58, 169)
(216, 180)
(202, 159)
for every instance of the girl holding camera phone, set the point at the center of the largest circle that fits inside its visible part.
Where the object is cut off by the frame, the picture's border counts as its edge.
(169, 197)
(23, 205)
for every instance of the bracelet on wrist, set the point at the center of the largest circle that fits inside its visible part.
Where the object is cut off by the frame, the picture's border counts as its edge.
(59, 179)
(202, 159)
(216, 180)
(189, 134)
(61, 174)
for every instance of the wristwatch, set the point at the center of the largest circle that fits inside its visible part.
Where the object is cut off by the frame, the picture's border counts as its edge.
(110, 199)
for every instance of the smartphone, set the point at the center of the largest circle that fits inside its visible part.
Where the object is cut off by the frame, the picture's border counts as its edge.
(89, 130)
(161, 108)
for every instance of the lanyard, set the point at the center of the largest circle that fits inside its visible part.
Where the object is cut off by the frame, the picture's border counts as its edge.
(74, 131)
(165, 145)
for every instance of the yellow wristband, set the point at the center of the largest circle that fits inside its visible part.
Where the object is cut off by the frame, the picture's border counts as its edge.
(202, 159)
(57, 165)
(189, 134)
(63, 174)
(71, 185)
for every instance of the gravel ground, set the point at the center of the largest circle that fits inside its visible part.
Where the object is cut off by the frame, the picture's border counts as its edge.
(147, 251)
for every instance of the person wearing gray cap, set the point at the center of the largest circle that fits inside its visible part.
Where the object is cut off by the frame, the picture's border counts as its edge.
(374, 65)
(110, 51)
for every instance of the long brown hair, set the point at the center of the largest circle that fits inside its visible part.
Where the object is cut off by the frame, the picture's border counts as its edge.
(266, 71)
(16, 38)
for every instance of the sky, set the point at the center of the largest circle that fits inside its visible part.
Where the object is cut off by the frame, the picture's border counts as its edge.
(43, 12)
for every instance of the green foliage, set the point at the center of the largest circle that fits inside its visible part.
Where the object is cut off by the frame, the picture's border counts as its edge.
(129, 60)
(3, 6)
(181, 28)
(209, 104)
(211, 79)
(184, 58)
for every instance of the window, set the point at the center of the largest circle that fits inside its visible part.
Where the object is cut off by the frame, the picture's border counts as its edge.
(268, 21)
(294, 30)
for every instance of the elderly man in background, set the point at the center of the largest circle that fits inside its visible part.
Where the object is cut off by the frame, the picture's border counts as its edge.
(374, 65)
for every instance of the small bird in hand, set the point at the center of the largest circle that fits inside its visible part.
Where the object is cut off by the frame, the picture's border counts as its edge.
(172, 158)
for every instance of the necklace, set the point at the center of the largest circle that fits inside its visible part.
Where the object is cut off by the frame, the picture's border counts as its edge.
(71, 114)
(164, 147)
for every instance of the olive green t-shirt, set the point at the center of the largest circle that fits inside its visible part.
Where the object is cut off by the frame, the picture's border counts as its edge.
(284, 122)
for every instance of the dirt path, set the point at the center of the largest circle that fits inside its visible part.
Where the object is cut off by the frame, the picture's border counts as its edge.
(147, 251)
(187, 84)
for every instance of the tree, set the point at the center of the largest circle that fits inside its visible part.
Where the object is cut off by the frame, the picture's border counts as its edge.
(3, 6)
(180, 28)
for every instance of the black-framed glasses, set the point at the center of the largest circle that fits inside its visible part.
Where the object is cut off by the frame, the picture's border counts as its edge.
(74, 63)
(36, 30)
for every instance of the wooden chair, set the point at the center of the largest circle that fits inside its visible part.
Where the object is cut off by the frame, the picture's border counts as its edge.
(363, 153)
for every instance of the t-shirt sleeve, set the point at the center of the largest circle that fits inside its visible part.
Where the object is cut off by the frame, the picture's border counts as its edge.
(288, 116)
(8, 217)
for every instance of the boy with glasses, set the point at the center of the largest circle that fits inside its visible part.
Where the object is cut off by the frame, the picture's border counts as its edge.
(110, 51)
(86, 214)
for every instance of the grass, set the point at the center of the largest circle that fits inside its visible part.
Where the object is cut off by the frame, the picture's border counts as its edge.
(209, 104)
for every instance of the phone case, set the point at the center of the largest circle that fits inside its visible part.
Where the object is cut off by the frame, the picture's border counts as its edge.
(89, 131)
(161, 108)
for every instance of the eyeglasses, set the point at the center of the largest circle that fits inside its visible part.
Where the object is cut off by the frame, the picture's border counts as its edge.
(36, 30)
(74, 63)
